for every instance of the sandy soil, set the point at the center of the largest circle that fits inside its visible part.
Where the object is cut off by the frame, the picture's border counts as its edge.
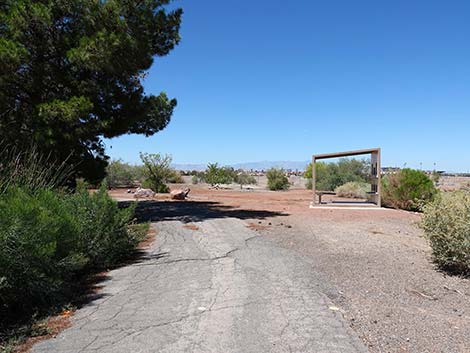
(376, 264)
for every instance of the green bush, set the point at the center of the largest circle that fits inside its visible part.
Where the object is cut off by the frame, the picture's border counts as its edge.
(353, 190)
(331, 175)
(218, 175)
(277, 179)
(48, 238)
(408, 189)
(446, 223)
(244, 178)
(175, 177)
(120, 174)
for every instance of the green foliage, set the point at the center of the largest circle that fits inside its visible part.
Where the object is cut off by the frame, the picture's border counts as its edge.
(277, 179)
(158, 172)
(48, 238)
(331, 175)
(353, 189)
(120, 174)
(408, 189)
(195, 179)
(71, 73)
(446, 223)
(218, 175)
(244, 178)
(175, 177)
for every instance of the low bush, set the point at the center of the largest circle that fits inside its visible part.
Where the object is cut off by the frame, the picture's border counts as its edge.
(244, 178)
(175, 177)
(120, 174)
(446, 223)
(353, 190)
(408, 189)
(277, 179)
(48, 239)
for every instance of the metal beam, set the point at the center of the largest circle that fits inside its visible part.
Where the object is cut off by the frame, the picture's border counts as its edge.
(346, 154)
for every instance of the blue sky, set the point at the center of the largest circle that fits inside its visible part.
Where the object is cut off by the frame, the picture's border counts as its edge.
(281, 80)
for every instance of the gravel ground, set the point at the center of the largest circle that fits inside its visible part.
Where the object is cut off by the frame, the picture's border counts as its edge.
(383, 279)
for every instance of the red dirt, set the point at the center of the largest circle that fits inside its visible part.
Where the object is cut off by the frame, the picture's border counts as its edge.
(191, 227)
(54, 325)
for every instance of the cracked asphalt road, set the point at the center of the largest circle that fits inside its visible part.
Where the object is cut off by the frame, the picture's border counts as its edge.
(219, 288)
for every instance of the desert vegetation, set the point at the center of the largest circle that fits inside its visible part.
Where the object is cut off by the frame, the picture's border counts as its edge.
(446, 223)
(329, 176)
(353, 190)
(407, 189)
(277, 179)
(158, 173)
(121, 174)
(52, 236)
(216, 175)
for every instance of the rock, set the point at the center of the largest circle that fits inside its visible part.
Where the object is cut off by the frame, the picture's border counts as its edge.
(179, 194)
(140, 193)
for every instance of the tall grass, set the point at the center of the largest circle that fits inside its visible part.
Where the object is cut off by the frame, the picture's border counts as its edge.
(30, 170)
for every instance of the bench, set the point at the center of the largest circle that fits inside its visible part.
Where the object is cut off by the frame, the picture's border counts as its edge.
(321, 193)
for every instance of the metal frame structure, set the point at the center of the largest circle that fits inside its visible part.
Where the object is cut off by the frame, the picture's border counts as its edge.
(375, 176)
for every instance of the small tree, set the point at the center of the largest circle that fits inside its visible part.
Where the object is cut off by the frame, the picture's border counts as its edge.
(218, 175)
(277, 179)
(244, 178)
(157, 171)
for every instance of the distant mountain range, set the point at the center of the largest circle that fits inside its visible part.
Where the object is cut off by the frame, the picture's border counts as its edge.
(263, 165)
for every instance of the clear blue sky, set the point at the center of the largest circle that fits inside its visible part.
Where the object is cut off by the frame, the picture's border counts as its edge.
(280, 80)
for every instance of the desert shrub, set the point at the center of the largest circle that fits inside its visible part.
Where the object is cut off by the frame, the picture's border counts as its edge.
(157, 171)
(106, 232)
(408, 189)
(119, 174)
(353, 190)
(244, 178)
(175, 177)
(218, 175)
(195, 179)
(446, 223)
(277, 179)
(48, 238)
(331, 175)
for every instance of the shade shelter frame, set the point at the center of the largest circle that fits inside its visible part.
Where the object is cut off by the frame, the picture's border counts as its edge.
(375, 175)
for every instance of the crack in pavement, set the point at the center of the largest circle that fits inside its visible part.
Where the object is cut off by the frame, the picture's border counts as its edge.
(265, 299)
